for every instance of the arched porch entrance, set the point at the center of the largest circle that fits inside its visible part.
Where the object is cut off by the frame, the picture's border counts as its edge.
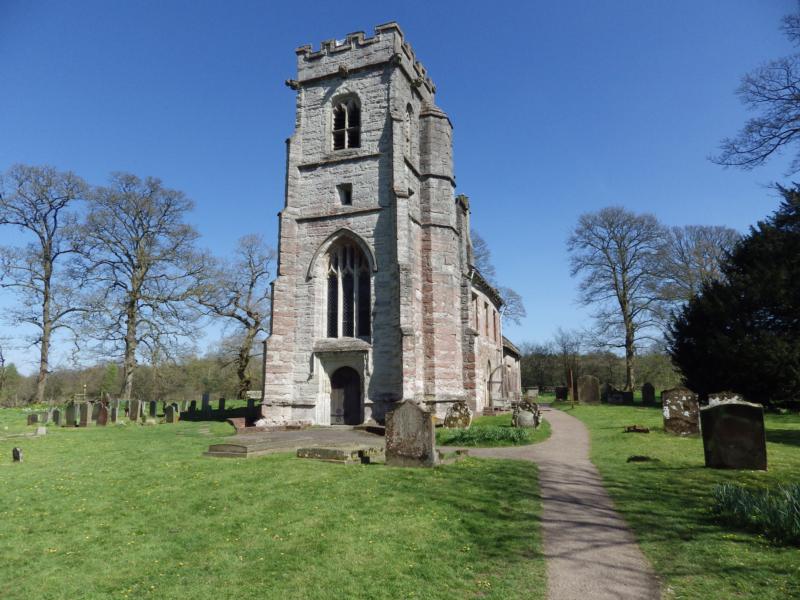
(346, 406)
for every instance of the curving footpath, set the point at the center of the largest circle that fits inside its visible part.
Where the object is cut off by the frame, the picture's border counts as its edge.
(591, 553)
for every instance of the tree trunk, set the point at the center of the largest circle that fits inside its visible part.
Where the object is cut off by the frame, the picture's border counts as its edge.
(47, 329)
(630, 379)
(242, 362)
(129, 363)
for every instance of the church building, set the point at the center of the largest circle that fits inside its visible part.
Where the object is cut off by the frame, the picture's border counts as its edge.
(376, 299)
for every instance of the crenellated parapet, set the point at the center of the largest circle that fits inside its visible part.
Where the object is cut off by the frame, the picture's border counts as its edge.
(340, 58)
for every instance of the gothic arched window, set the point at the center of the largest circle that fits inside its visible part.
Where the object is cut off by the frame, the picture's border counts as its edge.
(346, 124)
(348, 291)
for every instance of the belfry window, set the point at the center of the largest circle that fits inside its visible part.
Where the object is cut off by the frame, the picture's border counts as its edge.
(346, 124)
(349, 289)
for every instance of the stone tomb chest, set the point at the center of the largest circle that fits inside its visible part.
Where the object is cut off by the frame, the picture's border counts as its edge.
(734, 435)
(681, 411)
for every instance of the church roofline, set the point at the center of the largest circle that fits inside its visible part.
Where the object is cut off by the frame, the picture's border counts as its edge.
(507, 345)
(480, 282)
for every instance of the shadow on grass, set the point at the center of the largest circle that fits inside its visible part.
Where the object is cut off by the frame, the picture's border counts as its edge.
(790, 437)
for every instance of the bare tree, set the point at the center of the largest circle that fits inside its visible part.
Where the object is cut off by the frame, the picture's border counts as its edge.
(615, 252)
(141, 255)
(690, 258)
(482, 257)
(240, 291)
(773, 90)
(37, 200)
(513, 309)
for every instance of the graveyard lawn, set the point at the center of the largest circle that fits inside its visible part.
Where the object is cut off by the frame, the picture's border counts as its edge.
(131, 511)
(490, 424)
(667, 503)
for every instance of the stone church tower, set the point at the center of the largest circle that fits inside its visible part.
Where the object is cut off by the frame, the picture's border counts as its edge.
(376, 300)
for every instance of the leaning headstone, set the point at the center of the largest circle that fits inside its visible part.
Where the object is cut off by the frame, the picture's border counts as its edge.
(170, 415)
(85, 415)
(33, 418)
(458, 416)
(113, 413)
(526, 414)
(71, 418)
(734, 435)
(102, 415)
(153, 408)
(648, 394)
(410, 437)
(134, 410)
(562, 392)
(222, 405)
(206, 403)
(95, 410)
(56, 417)
(588, 389)
(681, 411)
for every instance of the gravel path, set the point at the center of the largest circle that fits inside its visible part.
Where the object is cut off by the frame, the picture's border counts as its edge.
(591, 553)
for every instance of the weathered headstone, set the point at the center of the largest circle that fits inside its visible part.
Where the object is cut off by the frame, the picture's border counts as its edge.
(102, 415)
(44, 416)
(113, 413)
(251, 408)
(410, 437)
(458, 416)
(56, 416)
(206, 403)
(153, 408)
(526, 414)
(562, 392)
(681, 411)
(85, 414)
(71, 419)
(95, 410)
(16, 454)
(648, 394)
(734, 435)
(170, 414)
(33, 418)
(588, 389)
(222, 405)
(615, 396)
(193, 407)
(134, 410)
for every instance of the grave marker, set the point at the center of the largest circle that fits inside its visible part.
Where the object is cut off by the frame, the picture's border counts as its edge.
(588, 389)
(648, 394)
(85, 415)
(734, 436)
(102, 415)
(153, 407)
(681, 411)
(56, 416)
(71, 419)
(410, 437)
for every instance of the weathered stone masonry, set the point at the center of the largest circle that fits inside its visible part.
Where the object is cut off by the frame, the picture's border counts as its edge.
(376, 298)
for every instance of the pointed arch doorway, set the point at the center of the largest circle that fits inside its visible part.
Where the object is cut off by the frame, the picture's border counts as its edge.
(346, 397)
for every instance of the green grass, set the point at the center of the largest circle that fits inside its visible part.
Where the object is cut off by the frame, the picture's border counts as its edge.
(137, 512)
(669, 503)
(494, 431)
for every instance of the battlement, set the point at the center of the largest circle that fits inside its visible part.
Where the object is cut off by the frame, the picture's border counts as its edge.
(355, 51)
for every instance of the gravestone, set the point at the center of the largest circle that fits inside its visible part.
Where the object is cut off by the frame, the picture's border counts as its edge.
(526, 414)
(734, 435)
(615, 397)
(251, 408)
(71, 418)
(95, 410)
(170, 414)
(176, 407)
(16, 454)
(56, 416)
(562, 392)
(33, 419)
(410, 437)
(588, 389)
(206, 403)
(153, 408)
(134, 410)
(648, 394)
(681, 411)
(44, 416)
(113, 414)
(222, 405)
(605, 390)
(458, 416)
(193, 407)
(718, 397)
(102, 415)
(85, 415)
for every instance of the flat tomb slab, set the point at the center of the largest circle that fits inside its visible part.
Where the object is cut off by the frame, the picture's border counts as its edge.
(241, 449)
(344, 455)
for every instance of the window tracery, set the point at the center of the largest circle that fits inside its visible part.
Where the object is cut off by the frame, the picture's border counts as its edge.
(349, 290)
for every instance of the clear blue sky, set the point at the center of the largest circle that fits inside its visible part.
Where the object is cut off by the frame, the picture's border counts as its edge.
(559, 108)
